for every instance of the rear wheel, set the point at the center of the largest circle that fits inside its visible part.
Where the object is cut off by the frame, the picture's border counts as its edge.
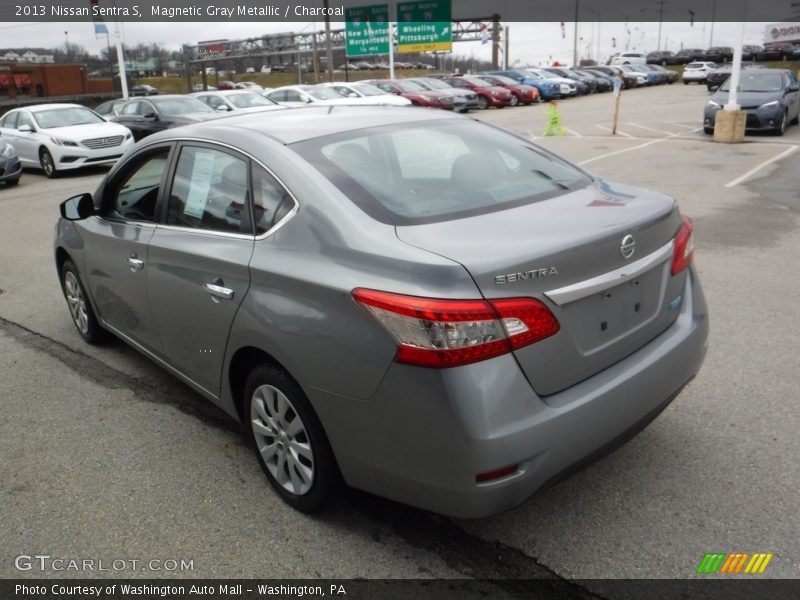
(47, 163)
(708, 130)
(796, 120)
(289, 440)
(514, 100)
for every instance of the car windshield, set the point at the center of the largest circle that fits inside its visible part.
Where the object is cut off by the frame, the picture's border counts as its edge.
(249, 100)
(409, 86)
(438, 170)
(365, 89)
(479, 82)
(503, 80)
(757, 82)
(173, 107)
(532, 75)
(323, 93)
(66, 117)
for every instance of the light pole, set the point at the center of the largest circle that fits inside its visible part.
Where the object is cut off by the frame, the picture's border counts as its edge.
(66, 45)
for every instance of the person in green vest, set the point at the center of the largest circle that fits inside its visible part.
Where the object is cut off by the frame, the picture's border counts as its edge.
(553, 119)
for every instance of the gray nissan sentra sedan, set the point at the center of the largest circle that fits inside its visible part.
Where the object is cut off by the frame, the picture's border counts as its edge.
(410, 302)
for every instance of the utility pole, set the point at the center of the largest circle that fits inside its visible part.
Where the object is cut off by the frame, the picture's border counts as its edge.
(713, 17)
(575, 37)
(506, 61)
(495, 41)
(328, 51)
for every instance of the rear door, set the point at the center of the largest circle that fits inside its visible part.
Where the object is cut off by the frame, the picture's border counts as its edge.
(198, 273)
(116, 256)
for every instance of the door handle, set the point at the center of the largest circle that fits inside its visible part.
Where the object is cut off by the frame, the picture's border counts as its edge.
(135, 264)
(218, 291)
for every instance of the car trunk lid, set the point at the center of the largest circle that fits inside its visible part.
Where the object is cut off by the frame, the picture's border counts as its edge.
(567, 251)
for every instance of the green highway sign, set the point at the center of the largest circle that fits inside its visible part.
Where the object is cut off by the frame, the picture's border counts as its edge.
(424, 26)
(367, 30)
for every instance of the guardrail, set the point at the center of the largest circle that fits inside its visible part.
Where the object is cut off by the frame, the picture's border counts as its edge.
(9, 103)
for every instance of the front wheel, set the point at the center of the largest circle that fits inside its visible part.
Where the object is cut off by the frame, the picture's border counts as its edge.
(47, 163)
(784, 124)
(79, 307)
(708, 130)
(514, 100)
(289, 440)
(13, 181)
(483, 103)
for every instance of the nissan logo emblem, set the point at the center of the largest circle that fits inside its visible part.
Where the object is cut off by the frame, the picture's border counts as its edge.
(627, 246)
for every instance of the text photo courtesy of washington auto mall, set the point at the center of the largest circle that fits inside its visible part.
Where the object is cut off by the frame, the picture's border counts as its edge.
(399, 299)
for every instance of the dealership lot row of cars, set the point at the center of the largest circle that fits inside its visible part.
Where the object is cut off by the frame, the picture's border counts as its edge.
(719, 54)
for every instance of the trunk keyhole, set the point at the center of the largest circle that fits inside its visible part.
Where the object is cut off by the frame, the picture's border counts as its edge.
(603, 325)
(637, 307)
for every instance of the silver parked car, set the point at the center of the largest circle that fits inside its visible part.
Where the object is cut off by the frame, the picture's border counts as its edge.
(413, 303)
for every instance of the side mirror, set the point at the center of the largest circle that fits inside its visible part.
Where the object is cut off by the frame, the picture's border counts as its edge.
(223, 108)
(309, 100)
(352, 95)
(151, 116)
(794, 87)
(77, 208)
(25, 128)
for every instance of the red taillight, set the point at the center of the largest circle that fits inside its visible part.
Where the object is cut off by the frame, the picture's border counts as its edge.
(684, 246)
(448, 333)
(491, 475)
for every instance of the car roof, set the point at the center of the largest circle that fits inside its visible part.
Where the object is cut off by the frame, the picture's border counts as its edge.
(41, 107)
(304, 123)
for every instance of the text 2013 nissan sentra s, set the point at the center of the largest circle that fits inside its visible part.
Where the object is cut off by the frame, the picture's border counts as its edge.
(407, 301)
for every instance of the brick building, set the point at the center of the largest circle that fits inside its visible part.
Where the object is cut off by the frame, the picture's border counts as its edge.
(20, 81)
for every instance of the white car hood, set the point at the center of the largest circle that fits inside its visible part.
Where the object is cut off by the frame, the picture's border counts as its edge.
(77, 133)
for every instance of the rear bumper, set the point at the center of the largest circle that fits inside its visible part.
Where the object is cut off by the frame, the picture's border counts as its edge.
(425, 434)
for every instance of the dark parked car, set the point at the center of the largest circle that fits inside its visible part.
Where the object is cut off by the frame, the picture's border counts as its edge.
(110, 107)
(669, 76)
(716, 77)
(687, 55)
(144, 90)
(145, 116)
(662, 57)
(750, 52)
(586, 85)
(10, 167)
(771, 98)
(520, 93)
(414, 303)
(719, 54)
(629, 80)
(777, 51)
(603, 82)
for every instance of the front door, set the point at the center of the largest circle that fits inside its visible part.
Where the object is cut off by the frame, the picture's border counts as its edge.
(198, 260)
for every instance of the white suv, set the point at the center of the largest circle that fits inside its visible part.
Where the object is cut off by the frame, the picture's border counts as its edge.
(630, 58)
(697, 71)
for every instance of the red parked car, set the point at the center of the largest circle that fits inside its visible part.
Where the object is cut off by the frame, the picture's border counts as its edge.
(488, 94)
(520, 93)
(418, 95)
(226, 85)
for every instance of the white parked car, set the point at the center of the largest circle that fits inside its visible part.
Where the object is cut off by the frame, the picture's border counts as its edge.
(697, 71)
(198, 87)
(249, 85)
(629, 58)
(236, 100)
(365, 93)
(59, 137)
(302, 95)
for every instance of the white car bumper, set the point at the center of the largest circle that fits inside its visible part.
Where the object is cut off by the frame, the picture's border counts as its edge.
(98, 151)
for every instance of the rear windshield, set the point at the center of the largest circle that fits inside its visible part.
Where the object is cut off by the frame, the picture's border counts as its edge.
(425, 172)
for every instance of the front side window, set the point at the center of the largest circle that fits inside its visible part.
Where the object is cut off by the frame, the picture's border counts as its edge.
(436, 171)
(209, 191)
(136, 196)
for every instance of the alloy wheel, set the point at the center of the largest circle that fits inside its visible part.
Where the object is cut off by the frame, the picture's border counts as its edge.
(48, 166)
(76, 302)
(282, 439)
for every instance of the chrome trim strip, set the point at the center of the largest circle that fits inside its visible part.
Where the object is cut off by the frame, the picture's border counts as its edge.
(160, 362)
(198, 231)
(576, 291)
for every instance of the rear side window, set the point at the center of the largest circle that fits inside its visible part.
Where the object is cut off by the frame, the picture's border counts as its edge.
(209, 191)
(436, 171)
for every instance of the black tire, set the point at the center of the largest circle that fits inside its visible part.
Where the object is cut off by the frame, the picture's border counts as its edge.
(47, 163)
(483, 103)
(708, 130)
(685, 83)
(83, 316)
(796, 120)
(514, 100)
(13, 181)
(325, 479)
(784, 124)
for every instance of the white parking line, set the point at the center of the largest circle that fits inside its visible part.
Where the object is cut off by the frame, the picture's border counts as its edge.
(622, 133)
(645, 127)
(637, 147)
(678, 124)
(572, 132)
(757, 168)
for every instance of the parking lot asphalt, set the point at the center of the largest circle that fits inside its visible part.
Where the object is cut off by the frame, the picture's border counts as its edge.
(107, 456)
